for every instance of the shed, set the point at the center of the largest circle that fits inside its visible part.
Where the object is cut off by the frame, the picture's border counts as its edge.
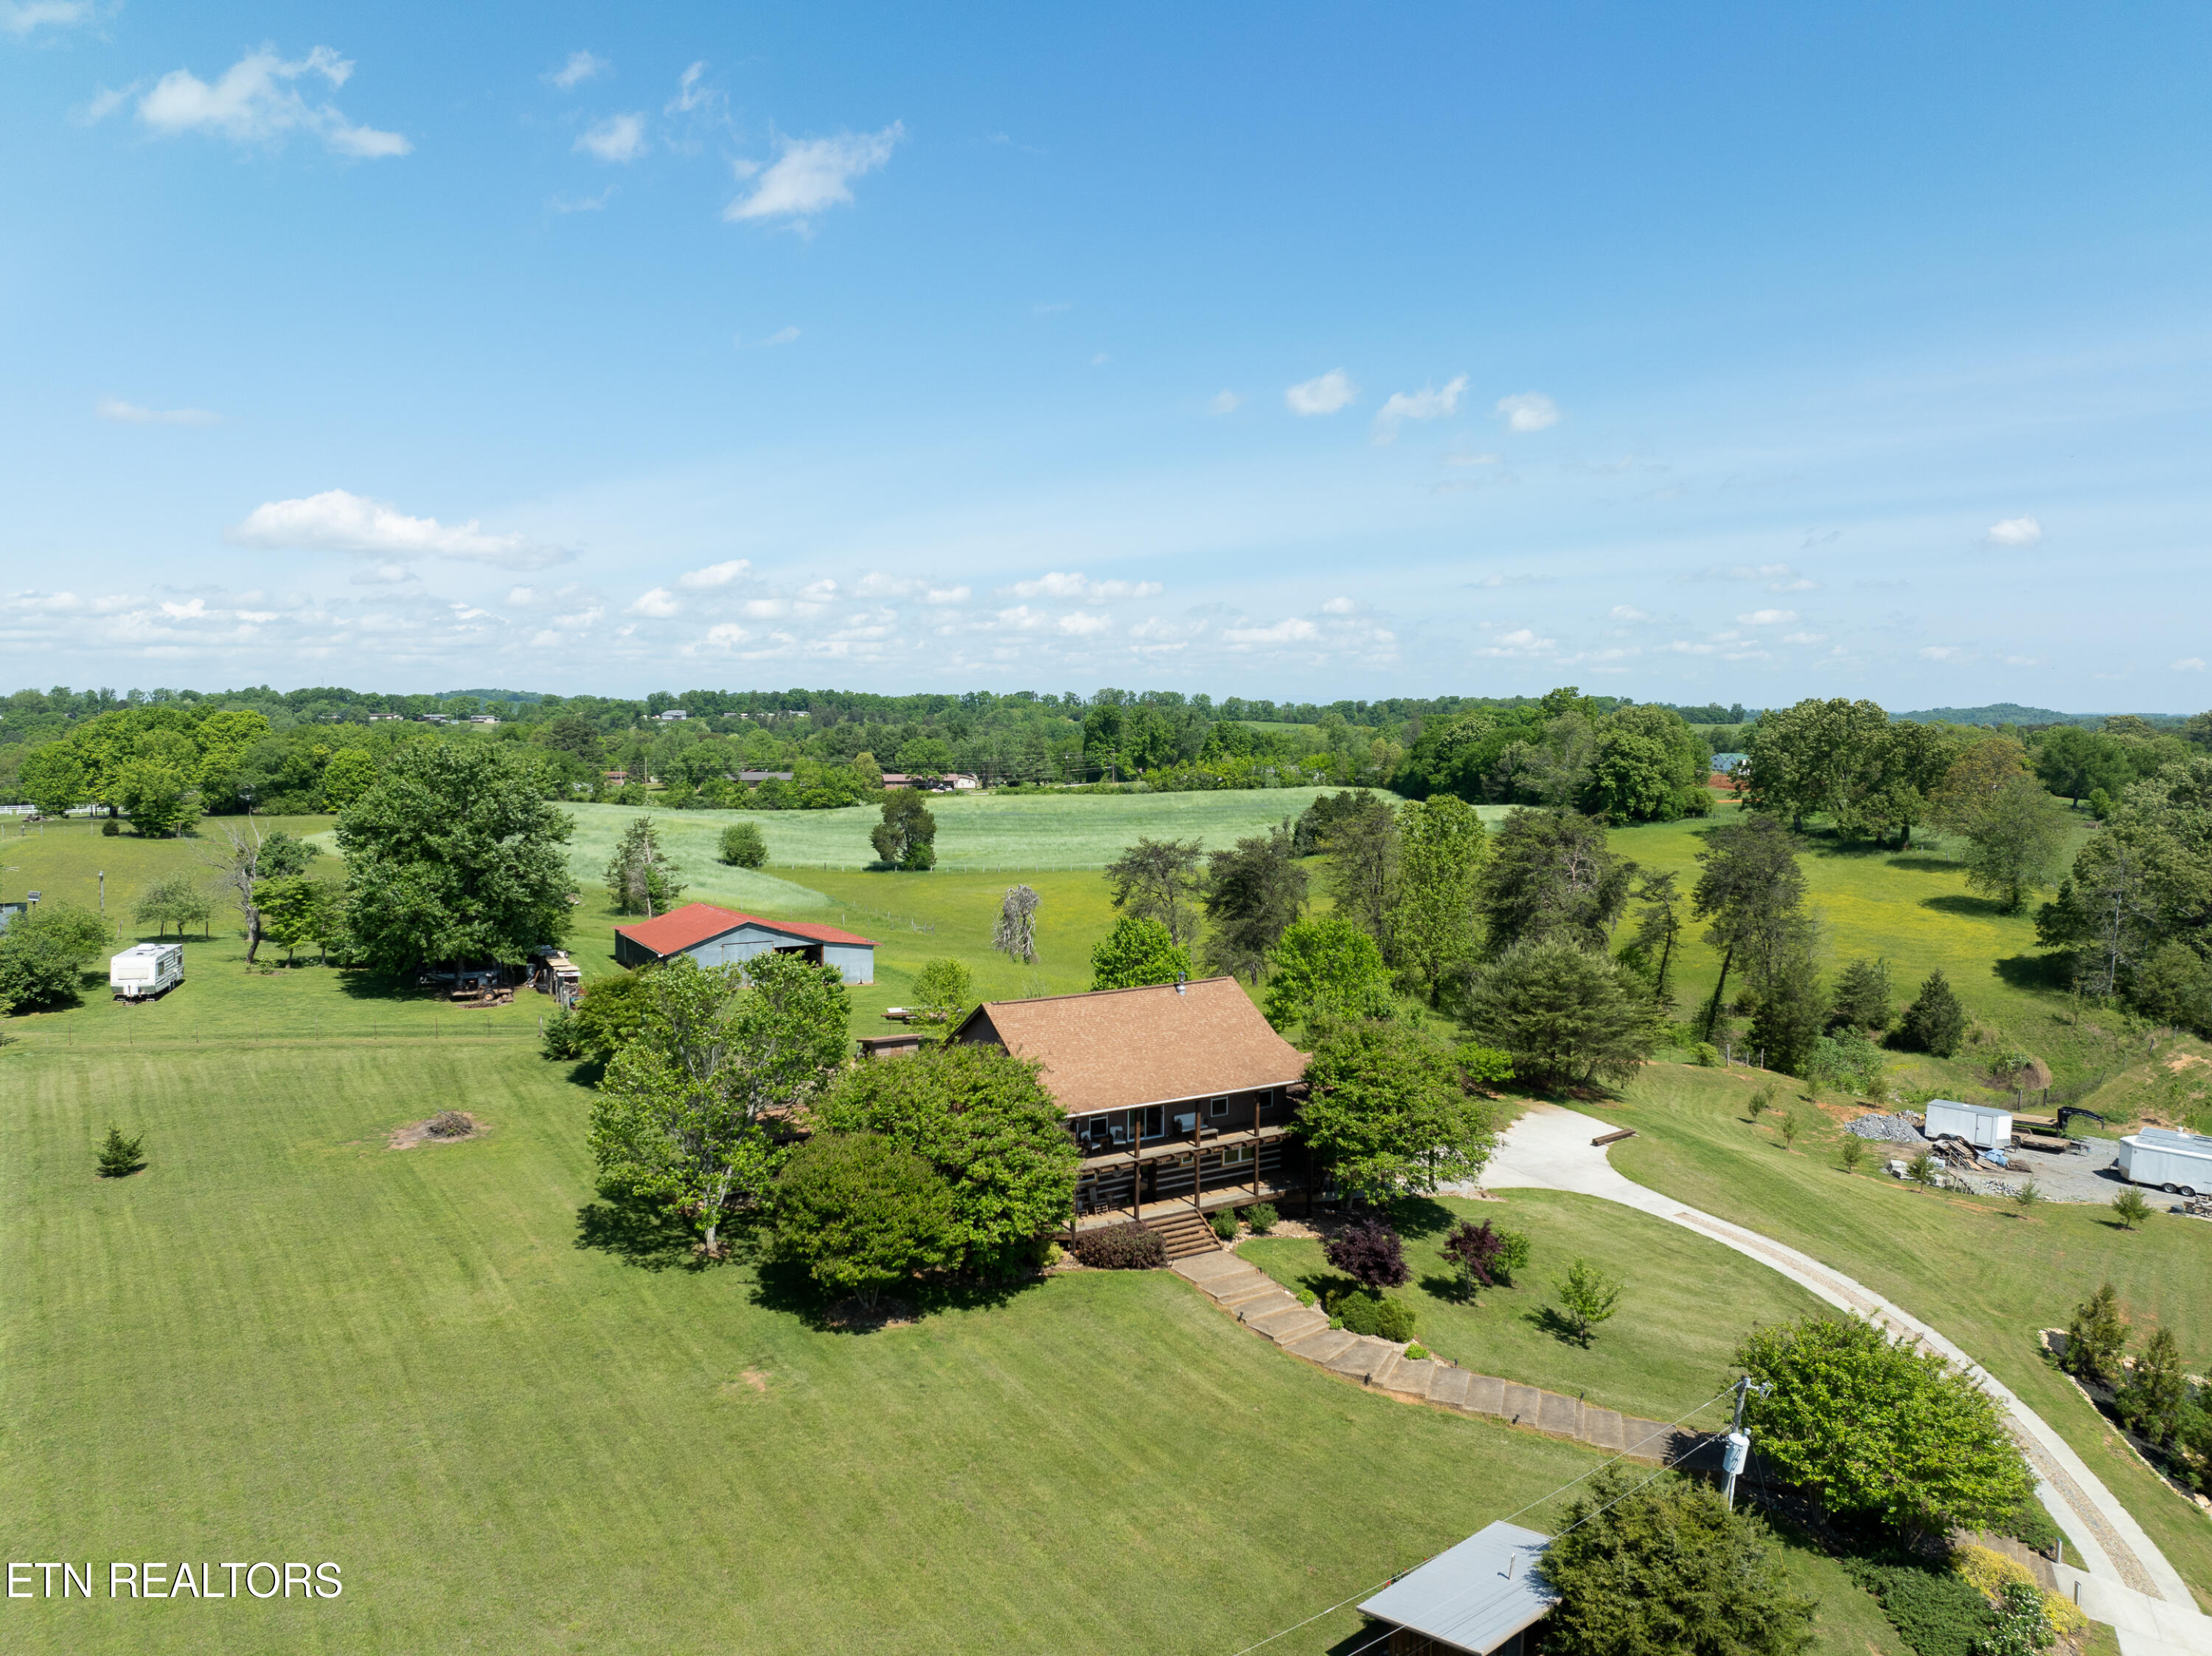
(720, 937)
(1476, 1600)
(1979, 1125)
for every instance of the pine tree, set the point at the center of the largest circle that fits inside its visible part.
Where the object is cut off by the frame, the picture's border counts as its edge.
(119, 1157)
(2152, 1398)
(2096, 1337)
(1862, 996)
(1935, 1023)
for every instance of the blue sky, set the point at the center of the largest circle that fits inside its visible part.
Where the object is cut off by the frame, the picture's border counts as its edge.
(1299, 351)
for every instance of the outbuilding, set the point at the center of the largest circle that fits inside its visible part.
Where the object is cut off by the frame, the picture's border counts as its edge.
(1479, 1599)
(721, 937)
(1984, 1128)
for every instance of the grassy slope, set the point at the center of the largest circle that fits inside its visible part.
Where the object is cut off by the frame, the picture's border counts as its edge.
(1668, 1349)
(284, 1340)
(1979, 1270)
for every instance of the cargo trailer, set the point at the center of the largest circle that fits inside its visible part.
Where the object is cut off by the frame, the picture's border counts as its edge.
(2178, 1162)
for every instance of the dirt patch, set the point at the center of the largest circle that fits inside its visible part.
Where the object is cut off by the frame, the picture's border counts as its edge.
(852, 1316)
(437, 1130)
(2181, 1061)
(751, 1377)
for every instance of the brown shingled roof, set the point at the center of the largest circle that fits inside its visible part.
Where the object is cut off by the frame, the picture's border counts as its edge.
(1119, 1049)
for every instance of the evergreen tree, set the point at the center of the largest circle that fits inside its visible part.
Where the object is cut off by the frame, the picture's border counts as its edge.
(1650, 952)
(1861, 1000)
(1550, 875)
(1252, 894)
(1563, 1014)
(1791, 1011)
(119, 1157)
(2097, 1336)
(2152, 1398)
(1935, 1023)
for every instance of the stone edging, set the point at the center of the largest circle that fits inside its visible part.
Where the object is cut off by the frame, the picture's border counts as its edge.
(1265, 1307)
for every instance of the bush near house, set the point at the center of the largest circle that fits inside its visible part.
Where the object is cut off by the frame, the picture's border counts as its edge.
(1121, 1247)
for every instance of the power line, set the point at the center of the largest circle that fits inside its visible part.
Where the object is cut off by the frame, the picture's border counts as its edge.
(1531, 1507)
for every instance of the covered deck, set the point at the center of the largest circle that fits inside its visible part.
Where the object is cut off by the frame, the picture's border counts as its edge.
(1200, 1172)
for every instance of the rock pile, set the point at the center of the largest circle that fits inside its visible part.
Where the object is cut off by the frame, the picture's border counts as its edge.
(1900, 1129)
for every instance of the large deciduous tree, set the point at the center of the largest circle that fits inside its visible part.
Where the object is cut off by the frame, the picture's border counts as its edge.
(1815, 757)
(907, 836)
(1433, 920)
(862, 1215)
(1886, 1433)
(1752, 890)
(680, 1115)
(1665, 1569)
(2141, 881)
(53, 777)
(1390, 1112)
(1327, 968)
(981, 1119)
(454, 855)
(43, 955)
(2015, 842)
(1551, 876)
(1160, 880)
(1138, 951)
(1253, 892)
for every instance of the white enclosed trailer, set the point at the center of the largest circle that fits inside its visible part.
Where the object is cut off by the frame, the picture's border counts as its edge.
(147, 969)
(2171, 1160)
(1984, 1128)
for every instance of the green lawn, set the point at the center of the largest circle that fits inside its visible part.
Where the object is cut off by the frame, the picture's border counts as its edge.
(1669, 1348)
(1979, 1270)
(982, 833)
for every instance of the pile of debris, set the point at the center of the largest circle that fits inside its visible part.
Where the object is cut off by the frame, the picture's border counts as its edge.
(1955, 1152)
(2196, 1207)
(1900, 1129)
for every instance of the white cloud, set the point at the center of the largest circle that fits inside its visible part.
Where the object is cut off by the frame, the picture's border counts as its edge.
(820, 591)
(114, 408)
(766, 609)
(1295, 630)
(1778, 577)
(520, 595)
(1083, 624)
(1324, 394)
(813, 175)
(946, 595)
(581, 66)
(1059, 585)
(1529, 411)
(783, 336)
(724, 633)
(2190, 665)
(1941, 652)
(22, 17)
(1804, 637)
(581, 203)
(1338, 607)
(714, 575)
(1767, 617)
(338, 521)
(618, 138)
(1224, 402)
(1428, 404)
(1628, 612)
(660, 603)
(689, 95)
(2014, 531)
(254, 102)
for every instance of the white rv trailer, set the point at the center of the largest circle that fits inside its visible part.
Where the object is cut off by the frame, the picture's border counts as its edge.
(2170, 1160)
(147, 969)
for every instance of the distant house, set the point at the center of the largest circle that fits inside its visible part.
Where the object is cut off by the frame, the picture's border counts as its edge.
(753, 778)
(1180, 1095)
(1479, 1599)
(899, 780)
(720, 937)
(672, 713)
(484, 718)
(617, 777)
(434, 719)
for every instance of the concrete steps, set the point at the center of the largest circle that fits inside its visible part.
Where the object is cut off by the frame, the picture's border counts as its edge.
(1266, 1307)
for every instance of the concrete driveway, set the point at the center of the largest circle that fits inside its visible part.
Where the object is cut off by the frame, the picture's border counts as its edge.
(2128, 1582)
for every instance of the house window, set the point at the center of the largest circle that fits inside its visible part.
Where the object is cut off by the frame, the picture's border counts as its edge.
(1155, 1118)
(1218, 1108)
(1237, 1155)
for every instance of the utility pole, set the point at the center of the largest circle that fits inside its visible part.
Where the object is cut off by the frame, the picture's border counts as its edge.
(1735, 1450)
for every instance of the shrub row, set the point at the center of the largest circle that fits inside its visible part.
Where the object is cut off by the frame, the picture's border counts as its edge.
(1121, 1248)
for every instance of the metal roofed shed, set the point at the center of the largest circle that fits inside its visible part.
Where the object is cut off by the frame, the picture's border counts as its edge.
(1979, 1125)
(1479, 1597)
(2180, 1162)
(721, 937)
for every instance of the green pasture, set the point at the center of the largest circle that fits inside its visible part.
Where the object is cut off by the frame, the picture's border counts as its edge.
(1671, 1346)
(1987, 1274)
(977, 832)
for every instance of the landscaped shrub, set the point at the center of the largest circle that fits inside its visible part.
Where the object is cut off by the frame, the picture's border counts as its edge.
(743, 846)
(1365, 1312)
(1224, 1225)
(1994, 1576)
(1260, 1217)
(1369, 1252)
(1708, 1055)
(1306, 1296)
(1417, 1353)
(1121, 1248)
(563, 1037)
(1937, 1612)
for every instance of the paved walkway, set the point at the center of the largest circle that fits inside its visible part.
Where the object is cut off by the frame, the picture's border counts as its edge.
(1265, 1306)
(2130, 1580)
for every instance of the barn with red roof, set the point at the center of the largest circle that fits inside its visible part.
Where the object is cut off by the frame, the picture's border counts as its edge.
(722, 936)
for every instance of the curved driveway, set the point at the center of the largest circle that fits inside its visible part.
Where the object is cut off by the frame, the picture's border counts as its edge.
(2127, 1581)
